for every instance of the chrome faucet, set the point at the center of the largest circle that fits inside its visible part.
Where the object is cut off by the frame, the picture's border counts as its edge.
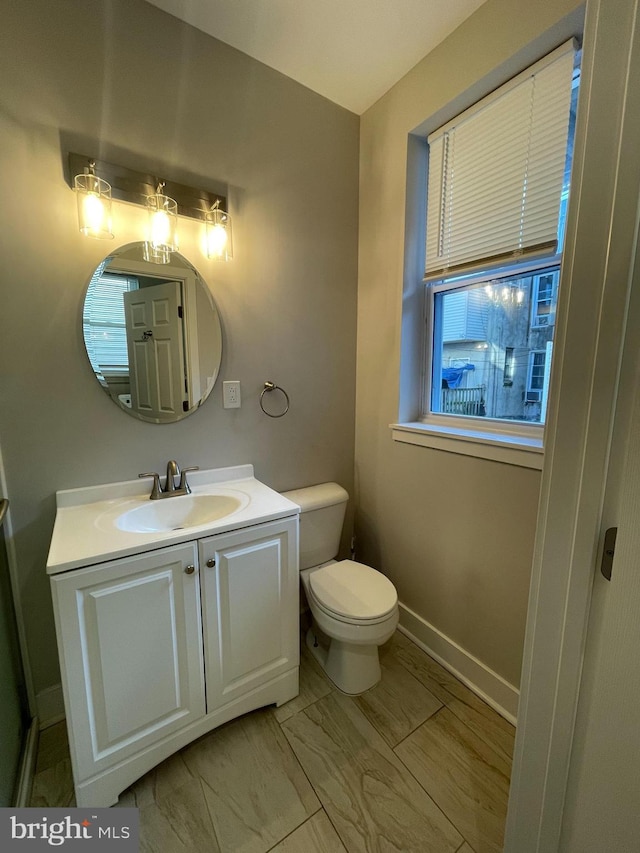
(173, 470)
(170, 489)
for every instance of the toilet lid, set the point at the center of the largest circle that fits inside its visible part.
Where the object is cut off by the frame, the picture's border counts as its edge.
(353, 590)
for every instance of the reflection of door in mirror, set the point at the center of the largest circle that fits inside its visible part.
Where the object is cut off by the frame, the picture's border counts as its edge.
(155, 345)
(165, 365)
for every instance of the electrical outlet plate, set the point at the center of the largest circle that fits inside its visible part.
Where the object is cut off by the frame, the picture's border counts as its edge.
(231, 394)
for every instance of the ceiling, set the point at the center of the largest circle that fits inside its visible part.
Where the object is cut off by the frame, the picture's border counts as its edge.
(350, 51)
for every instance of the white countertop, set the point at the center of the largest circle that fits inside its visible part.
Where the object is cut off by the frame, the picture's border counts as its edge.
(85, 531)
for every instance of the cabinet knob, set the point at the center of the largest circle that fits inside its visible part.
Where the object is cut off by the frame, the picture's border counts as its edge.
(190, 570)
(211, 562)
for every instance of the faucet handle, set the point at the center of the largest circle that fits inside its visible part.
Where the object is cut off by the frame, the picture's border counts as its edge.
(156, 489)
(183, 478)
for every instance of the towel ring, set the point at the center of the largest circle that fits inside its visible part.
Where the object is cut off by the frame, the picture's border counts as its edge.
(271, 386)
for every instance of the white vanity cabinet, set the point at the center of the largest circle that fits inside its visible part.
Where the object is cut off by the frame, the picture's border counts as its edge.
(129, 636)
(145, 638)
(249, 580)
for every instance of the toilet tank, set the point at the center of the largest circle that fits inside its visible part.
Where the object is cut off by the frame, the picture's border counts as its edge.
(322, 514)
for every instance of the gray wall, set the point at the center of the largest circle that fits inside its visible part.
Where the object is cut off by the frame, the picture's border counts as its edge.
(454, 533)
(124, 81)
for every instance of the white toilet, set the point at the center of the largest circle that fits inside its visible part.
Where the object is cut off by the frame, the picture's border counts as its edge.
(354, 607)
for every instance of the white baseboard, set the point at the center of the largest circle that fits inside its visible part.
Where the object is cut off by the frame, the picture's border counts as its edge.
(50, 704)
(22, 794)
(488, 685)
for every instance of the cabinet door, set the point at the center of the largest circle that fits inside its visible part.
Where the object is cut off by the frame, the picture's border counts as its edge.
(250, 608)
(130, 642)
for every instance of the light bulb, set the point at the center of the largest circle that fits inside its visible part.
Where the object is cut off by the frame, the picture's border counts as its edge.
(217, 241)
(93, 214)
(160, 228)
(218, 235)
(94, 206)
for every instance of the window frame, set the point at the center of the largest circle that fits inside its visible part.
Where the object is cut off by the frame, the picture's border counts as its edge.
(518, 443)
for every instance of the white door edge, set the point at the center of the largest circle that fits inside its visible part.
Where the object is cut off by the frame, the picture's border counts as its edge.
(601, 236)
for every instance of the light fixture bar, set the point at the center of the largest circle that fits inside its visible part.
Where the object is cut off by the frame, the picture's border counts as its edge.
(134, 187)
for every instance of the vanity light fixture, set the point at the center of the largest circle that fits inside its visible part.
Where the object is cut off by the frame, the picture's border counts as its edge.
(93, 195)
(162, 235)
(164, 201)
(508, 294)
(219, 235)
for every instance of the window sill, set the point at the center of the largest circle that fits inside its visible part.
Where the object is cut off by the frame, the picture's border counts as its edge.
(525, 452)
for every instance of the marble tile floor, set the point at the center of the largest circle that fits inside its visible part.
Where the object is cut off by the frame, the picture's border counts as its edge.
(418, 763)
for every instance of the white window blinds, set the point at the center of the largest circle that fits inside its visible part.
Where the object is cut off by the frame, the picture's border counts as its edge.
(496, 171)
(105, 334)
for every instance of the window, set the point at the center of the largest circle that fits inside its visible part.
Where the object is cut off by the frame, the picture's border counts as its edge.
(498, 185)
(508, 369)
(487, 353)
(535, 380)
(543, 302)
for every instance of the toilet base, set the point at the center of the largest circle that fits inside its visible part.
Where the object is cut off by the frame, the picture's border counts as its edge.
(352, 668)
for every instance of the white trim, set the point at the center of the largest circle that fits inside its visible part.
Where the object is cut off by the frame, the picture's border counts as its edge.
(27, 770)
(491, 270)
(12, 559)
(525, 452)
(50, 704)
(496, 429)
(602, 231)
(484, 682)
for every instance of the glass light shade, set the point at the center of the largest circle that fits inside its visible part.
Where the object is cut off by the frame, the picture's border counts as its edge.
(94, 206)
(162, 229)
(219, 235)
(155, 255)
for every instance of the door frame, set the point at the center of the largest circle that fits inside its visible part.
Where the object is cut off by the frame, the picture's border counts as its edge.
(602, 233)
(17, 598)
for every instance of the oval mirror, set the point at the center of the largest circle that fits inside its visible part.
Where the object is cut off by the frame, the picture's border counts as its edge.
(152, 334)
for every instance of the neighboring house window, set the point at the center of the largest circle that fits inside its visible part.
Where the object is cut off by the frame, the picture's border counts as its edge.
(497, 194)
(535, 378)
(509, 365)
(543, 300)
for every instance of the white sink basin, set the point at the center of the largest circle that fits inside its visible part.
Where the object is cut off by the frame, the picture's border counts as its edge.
(95, 524)
(178, 513)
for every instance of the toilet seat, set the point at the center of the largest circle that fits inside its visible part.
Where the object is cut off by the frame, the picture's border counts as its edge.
(352, 592)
